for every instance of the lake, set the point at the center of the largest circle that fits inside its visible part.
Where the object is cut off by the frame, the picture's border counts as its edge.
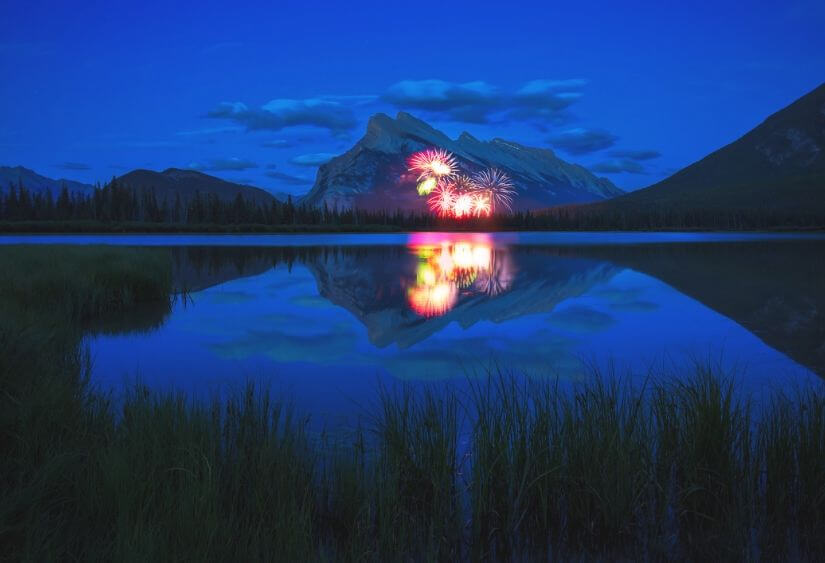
(327, 317)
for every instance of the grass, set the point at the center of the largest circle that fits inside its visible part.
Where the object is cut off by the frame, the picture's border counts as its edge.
(683, 467)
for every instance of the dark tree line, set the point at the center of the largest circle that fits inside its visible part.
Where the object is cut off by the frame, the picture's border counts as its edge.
(114, 203)
(117, 203)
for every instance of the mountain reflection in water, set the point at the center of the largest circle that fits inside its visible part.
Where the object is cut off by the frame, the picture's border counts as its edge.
(408, 294)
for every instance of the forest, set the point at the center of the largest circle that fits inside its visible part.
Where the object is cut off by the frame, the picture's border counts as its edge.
(116, 207)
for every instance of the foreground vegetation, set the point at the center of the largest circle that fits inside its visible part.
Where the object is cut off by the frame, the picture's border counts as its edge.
(682, 468)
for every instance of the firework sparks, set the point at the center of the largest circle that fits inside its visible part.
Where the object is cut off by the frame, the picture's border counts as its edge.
(498, 186)
(452, 194)
(455, 268)
(436, 163)
(462, 183)
(442, 199)
(481, 204)
(427, 185)
(463, 205)
(432, 301)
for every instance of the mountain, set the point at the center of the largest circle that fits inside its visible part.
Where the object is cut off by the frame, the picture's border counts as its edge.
(779, 165)
(369, 285)
(173, 181)
(36, 183)
(373, 173)
(775, 292)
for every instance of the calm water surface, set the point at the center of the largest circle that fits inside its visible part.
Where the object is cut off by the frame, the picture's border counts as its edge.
(326, 317)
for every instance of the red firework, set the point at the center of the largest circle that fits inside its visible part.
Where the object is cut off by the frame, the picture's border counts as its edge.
(432, 163)
(442, 199)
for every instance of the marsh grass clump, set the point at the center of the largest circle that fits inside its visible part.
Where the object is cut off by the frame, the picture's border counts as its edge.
(705, 462)
(82, 282)
(683, 466)
(557, 469)
(791, 450)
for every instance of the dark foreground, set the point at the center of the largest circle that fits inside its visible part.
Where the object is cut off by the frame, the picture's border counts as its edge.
(682, 468)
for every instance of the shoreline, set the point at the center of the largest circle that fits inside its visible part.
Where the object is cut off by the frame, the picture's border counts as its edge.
(61, 228)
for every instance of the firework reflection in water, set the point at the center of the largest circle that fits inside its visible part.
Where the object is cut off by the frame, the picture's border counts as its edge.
(456, 268)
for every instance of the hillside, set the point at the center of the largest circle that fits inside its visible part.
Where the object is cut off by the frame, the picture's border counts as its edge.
(173, 182)
(779, 165)
(37, 183)
(373, 173)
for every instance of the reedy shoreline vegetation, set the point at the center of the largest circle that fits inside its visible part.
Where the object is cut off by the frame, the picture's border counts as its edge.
(684, 467)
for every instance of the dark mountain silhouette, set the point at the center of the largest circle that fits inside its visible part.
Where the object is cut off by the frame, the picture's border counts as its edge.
(373, 173)
(773, 289)
(174, 181)
(779, 165)
(38, 184)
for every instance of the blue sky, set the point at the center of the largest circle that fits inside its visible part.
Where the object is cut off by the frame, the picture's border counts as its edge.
(261, 93)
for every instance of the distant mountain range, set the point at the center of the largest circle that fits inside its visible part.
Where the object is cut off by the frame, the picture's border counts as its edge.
(779, 165)
(173, 182)
(373, 173)
(38, 184)
(168, 184)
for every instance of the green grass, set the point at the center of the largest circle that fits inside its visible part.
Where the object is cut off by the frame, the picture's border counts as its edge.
(683, 467)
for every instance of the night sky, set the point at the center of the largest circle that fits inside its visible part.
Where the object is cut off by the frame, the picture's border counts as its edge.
(262, 94)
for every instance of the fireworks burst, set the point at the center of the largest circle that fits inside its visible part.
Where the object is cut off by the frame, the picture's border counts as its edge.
(481, 204)
(442, 199)
(462, 184)
(427, 185)
(498, 186)
(463, 205)
(452, 194)
(436, 163)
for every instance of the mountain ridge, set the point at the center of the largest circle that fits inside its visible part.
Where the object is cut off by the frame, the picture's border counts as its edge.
(183, 182)
(39, 184)
(373, 174)
(779, 164)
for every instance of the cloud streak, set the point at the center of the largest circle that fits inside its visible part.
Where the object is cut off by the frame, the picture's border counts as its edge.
(579, 141)
(73, 166)
(326, 113)
(277, 144)
(223, 164)
(313, 159)
(539, 101)
(618, 166)
(635, 154)
(289, 179)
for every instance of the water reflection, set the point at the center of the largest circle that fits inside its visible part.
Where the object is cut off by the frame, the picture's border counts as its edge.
(496, 294)
(449, 269)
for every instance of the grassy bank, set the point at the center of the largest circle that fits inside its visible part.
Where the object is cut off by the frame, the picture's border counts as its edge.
(683, 468)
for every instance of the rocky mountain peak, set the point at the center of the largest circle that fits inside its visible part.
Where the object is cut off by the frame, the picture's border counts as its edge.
(372, 174)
